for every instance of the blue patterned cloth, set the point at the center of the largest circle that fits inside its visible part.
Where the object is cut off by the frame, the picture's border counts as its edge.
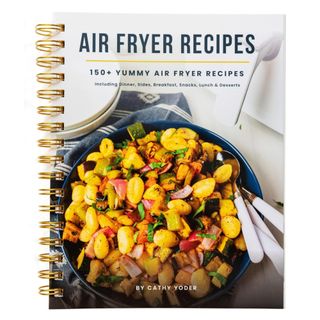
(132, 106)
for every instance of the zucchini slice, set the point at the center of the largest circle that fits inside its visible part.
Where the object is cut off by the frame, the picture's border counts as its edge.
(136, 131)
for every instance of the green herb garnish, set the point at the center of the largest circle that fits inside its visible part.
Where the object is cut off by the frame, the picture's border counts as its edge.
(129, 174)
(207, 235)
(141, 210)
(200, 209)
(231, 197)
(135, 236)
(94, 206)
(122, 145)
(167, 199)
(159, 221)
(150, 232)
(108, 279)
(158, 135)
(180, 151)
(156, 165)
(198, 221)
(117, 160)
(219, 276)
(108, 168)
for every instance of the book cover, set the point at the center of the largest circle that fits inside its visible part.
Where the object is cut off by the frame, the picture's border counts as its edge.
(166, 137)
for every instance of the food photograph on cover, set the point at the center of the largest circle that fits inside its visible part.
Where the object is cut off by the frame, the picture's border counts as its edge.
(166, 150)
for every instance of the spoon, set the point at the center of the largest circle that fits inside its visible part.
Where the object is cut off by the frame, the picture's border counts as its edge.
(253, 244)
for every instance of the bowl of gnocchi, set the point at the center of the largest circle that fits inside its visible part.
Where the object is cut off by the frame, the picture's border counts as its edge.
(150, 219)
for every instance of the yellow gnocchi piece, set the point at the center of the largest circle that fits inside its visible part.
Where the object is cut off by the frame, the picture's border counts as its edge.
(135, 190)
(106, 147)
(101, 246)
(230, 226)
(223, 173)
(204, 188)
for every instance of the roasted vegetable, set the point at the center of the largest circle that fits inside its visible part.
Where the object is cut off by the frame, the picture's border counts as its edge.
(71, 232)
(173, 219)
(240, 243)
(84, 167)
(136, 131)
(219, 277)
(225, 246)
(152, 266)
(201, 281)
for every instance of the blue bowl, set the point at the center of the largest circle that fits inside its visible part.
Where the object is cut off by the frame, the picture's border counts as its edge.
(248, 180)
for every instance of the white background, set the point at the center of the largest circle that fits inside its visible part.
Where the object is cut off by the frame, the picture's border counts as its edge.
(19, 217)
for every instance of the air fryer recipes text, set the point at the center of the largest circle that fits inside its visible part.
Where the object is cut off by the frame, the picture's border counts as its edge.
(155, 210)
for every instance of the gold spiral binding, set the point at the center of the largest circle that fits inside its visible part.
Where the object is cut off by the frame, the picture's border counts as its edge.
(55, 175)
(50, 275)
(50, 77)
(50, 143)
(49, 61)
(49, 29)
(49, 45)
(47, 291)
(58, 192)
(52, 225)
(48, 257)
(50, 110)
(52, 208)
(50, 94)
(47, 241)
(50, 159)
(51, 126)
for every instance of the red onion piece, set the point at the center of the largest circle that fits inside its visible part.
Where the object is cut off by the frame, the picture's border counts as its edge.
(145, 169)
(192, 254)
(137, 251)
(131, 267)
(120, 186)
(147, 204)
(201, 257)
(186, 245)
(209, 244)
(165, 168)
(182, 193)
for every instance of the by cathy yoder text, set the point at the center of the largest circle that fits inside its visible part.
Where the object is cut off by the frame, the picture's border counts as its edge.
(177, 287)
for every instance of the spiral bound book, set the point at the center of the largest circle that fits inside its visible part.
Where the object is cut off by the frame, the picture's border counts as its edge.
(162, 133)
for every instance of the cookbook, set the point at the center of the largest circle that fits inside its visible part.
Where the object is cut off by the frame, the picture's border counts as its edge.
(162, 151)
